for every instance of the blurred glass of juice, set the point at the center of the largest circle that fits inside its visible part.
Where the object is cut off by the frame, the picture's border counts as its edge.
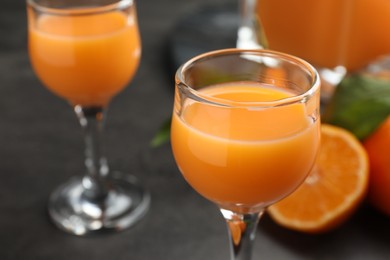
(334, 35)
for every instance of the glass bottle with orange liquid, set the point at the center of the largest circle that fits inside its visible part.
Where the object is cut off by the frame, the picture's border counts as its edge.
(245, 132)
(336, 36)
(86, 53)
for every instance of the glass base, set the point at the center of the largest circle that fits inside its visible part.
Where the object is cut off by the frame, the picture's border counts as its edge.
(126, 203)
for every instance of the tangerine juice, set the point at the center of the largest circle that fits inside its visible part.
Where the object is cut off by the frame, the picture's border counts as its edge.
(328, 33)
(244, 156)
(85, 59)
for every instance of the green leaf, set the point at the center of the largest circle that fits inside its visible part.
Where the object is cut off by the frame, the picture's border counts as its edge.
(360, 104)
(162, 135)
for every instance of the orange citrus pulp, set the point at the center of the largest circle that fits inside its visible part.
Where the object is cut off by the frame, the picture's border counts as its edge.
(334, 188)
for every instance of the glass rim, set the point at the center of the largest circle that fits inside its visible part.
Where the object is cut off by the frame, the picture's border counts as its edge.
(116, 5)
(199, 96)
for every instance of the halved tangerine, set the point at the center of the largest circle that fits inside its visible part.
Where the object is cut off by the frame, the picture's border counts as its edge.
(334, 188)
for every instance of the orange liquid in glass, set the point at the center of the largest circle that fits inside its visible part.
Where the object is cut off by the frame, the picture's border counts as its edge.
(85, 59)
(328, 33)
(241, 155)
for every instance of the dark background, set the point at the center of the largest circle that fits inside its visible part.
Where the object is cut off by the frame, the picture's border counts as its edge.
(41, 147)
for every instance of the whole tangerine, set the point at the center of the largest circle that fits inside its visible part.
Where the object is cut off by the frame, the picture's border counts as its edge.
(377, 146)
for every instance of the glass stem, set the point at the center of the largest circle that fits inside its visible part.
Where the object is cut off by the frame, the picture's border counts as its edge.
(95, 182)
(242, 232)
(250, 30)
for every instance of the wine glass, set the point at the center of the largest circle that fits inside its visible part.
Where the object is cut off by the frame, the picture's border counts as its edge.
(245, 132)
(86, 52)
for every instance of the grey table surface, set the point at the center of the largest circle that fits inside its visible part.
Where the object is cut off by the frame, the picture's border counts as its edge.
(41, 147)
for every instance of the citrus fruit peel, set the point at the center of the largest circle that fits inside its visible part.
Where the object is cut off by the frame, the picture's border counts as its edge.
(377, 147)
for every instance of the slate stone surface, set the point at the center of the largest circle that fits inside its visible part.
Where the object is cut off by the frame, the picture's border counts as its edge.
(41, 147)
